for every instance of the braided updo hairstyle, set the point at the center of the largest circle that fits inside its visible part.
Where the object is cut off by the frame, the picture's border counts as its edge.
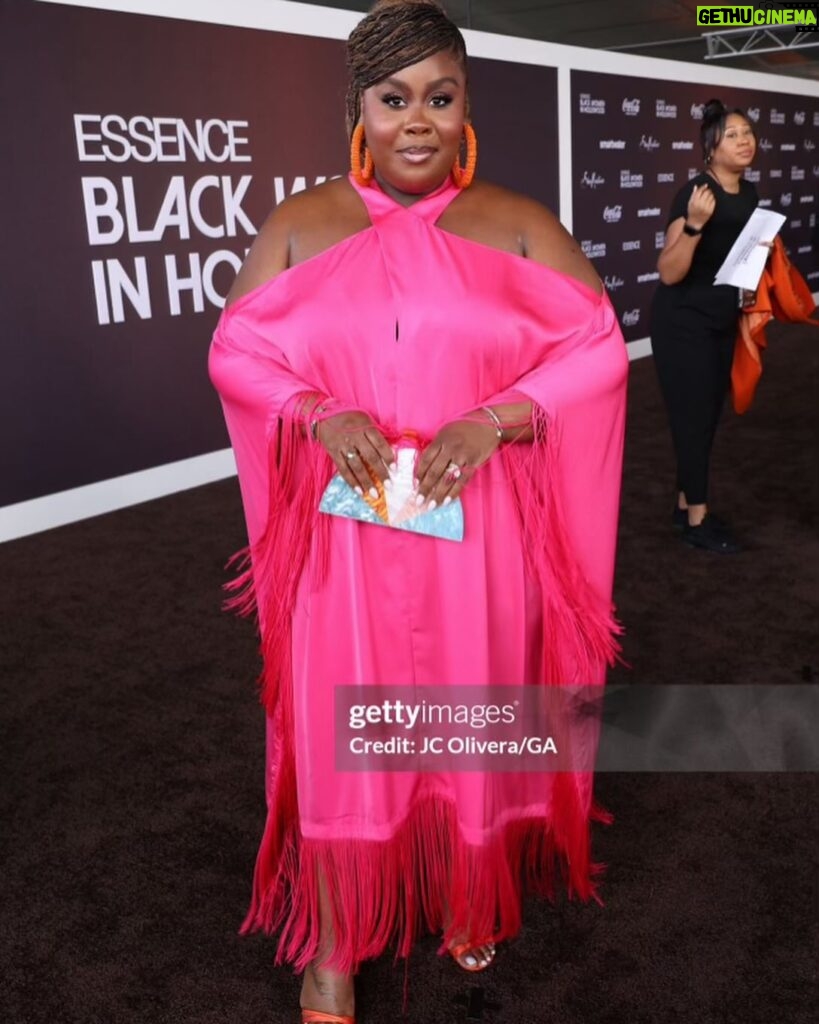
(714, 116)
(394, 35)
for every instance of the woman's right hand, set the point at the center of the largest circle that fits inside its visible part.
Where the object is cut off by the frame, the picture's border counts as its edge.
(700, 206)
(350, 439)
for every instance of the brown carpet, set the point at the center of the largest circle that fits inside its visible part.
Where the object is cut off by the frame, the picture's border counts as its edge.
(132, 796)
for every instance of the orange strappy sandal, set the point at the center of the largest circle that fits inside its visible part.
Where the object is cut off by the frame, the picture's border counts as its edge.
(317, 1017)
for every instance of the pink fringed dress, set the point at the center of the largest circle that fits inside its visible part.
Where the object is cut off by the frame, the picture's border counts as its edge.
(416, 326)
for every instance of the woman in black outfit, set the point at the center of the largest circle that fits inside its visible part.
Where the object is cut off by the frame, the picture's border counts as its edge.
(694, 321)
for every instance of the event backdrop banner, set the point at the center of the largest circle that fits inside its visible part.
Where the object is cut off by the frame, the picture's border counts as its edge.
(144, 155)
(636, 142)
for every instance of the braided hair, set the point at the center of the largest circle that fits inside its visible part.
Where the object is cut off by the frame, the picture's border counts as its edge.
(394, 35)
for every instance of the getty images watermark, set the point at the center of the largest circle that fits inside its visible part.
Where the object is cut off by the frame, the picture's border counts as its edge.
(632, 728)
(799, 16)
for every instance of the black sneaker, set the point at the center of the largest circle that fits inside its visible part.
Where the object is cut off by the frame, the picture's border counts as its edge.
(712, 535)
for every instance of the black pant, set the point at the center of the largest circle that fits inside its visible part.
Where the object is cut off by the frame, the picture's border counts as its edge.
(693, 365)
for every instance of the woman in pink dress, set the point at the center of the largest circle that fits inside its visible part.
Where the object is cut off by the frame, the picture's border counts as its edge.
(410, 304)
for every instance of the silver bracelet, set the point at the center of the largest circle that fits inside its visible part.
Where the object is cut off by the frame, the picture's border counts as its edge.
(495, 419)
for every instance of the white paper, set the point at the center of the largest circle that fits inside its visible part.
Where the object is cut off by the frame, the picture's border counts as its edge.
(745, 262)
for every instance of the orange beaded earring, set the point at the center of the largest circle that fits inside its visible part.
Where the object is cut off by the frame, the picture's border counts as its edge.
(363, 175)
(462, 176)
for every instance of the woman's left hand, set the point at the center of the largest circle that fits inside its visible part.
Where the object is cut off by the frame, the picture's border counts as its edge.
(451, 458)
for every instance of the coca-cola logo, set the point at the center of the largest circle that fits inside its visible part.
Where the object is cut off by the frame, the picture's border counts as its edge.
(591, 179)
(697, 111)
(753, 113)
(614, 282)
(786, 199)
(611, 214)
(630, 318)
(648, 142)
(631, 108)
(799, 117)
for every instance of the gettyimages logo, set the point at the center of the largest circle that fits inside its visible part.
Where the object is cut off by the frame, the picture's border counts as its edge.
(682, 144)
(612, 214)
(663, 109)
(632, 246)
(799, 117)
(593, 250)
(629, 180)
(631, 108)
(786, 199)
(614, 282)
(648, 142)
(697, 111)
(591, 179)
(765, 144)
(808, 145)
(612, 143)
(630, 318)
(777, 116)
(649, 211)
(797, 173)
(665, 177)
(753, 113)
(588, 105)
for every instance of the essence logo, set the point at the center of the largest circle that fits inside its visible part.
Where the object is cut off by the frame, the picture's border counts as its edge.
(632, 246)
(592, 179)
(648, 142)
(612, 214)
(630, 318)
(665, 177)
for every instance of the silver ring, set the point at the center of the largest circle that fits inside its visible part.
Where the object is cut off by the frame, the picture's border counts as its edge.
(453, 471)
(350, 455)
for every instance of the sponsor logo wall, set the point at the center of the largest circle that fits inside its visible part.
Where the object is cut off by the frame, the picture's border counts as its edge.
(635, 143)
(147, 153)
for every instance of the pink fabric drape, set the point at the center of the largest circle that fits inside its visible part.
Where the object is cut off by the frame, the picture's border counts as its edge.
(416, 325)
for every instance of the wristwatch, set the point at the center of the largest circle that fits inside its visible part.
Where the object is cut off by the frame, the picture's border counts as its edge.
(688, 230)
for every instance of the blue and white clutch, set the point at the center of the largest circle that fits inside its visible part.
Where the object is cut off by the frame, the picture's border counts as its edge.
(396, 506)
